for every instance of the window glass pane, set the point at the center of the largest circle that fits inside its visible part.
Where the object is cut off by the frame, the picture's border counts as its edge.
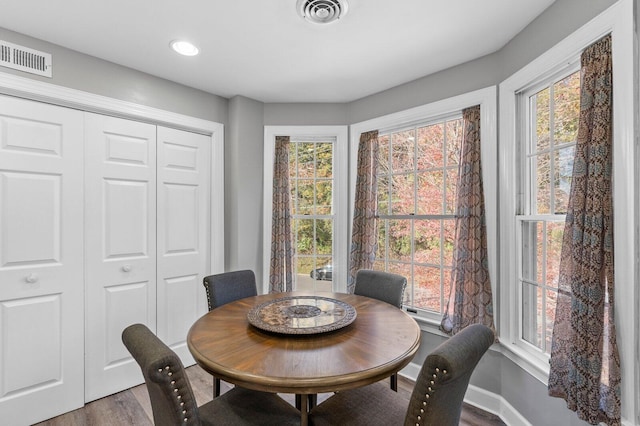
(566, 110)
(427, 288)
(562, 181)
(403, 269)
(304, 265)
(305, 196)
(540, 106)
(383, 194)
(403, 151)
(446, 286)
(550, 315)
(430, 146)
(532, 314)
(400, 240)
(306, 160)
(304, 235)
(453, 141)
(383, 155)
(324, 195)
(427, 241)
(543, 183)
(403, 190)
(449, 228)
(324, 160)
(381, 252)
(532, 247)
(430, 192)
(555, 230)
(451, 187)
(324, 236)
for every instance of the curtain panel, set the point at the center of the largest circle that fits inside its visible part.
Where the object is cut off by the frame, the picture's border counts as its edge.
(281, 272)
(364, 236)
(470, 299)
(585, 363)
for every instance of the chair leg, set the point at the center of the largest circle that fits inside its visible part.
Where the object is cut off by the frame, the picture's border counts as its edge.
(313, 400)
(216, 387)
(298, 401)
(394, 382)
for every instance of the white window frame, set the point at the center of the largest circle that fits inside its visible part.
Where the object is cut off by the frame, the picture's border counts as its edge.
(486, 98)
(525, 182)
(617, 22)
(340, 249)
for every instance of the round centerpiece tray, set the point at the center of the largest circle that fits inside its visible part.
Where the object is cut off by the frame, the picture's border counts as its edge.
(302, 315)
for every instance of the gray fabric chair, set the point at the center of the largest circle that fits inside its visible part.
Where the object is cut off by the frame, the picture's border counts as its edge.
(172, 399)
(229, 286)
(437, 396)
(225, 288)
(383, 286)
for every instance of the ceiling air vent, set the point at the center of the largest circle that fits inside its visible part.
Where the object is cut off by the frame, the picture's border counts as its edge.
(25, 59)
(322, 11)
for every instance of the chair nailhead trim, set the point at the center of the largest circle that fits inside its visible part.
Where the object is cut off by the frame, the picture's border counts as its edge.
(427, 395)
(167, 369)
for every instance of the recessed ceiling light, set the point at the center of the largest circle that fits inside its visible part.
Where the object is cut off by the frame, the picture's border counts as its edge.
(184, 48)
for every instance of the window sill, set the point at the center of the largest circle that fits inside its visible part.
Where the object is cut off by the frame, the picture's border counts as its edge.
(535, 367)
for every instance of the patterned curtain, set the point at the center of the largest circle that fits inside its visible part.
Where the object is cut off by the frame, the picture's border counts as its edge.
(281, 275)
(364, 236)
(585, 364)
(470, 299)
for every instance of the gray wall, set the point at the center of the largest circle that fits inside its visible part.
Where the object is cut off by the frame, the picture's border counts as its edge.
(325, 114)
(243, 161)
(89, 74)
(559, 20)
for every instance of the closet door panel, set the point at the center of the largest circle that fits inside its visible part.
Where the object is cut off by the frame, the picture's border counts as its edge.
(120, 218)
(183, 234)
(41, 270)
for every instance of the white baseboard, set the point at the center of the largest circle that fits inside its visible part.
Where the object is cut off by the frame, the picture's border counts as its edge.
(495, 404)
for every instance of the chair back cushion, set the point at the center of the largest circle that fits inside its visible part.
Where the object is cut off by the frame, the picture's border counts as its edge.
(170, 392)
(381, 285)
(229, 286)
(443, 380)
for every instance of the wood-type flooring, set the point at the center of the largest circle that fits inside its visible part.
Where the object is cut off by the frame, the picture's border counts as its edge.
(132, 406)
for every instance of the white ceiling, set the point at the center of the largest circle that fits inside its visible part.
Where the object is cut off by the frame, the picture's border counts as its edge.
(263, 49)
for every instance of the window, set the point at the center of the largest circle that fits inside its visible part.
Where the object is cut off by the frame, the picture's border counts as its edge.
(417, 176)
(312, 183)
(317, 178)
(549, 117)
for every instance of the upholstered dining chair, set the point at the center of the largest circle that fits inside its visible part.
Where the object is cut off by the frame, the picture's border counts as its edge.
(229, 286)
(383, 286)
(436, 399)
(225, 288)
(173, 401)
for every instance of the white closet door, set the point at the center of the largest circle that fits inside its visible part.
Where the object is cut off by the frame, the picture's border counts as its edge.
(183, 234)
(41, 281)
(120, 256)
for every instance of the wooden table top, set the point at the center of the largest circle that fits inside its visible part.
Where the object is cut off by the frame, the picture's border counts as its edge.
(381, 341)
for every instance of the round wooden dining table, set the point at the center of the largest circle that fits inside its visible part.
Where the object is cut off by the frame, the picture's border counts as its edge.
(380, 341)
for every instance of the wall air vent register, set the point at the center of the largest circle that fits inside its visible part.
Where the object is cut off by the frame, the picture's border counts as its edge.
(24, 59)
(322, 11)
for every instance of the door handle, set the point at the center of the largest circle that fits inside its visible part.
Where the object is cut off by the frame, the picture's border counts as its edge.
(126, 268)
(31, 278)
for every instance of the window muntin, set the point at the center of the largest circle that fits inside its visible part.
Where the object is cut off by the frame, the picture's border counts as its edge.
(551, 113)
(311, 180)
(417, 176)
